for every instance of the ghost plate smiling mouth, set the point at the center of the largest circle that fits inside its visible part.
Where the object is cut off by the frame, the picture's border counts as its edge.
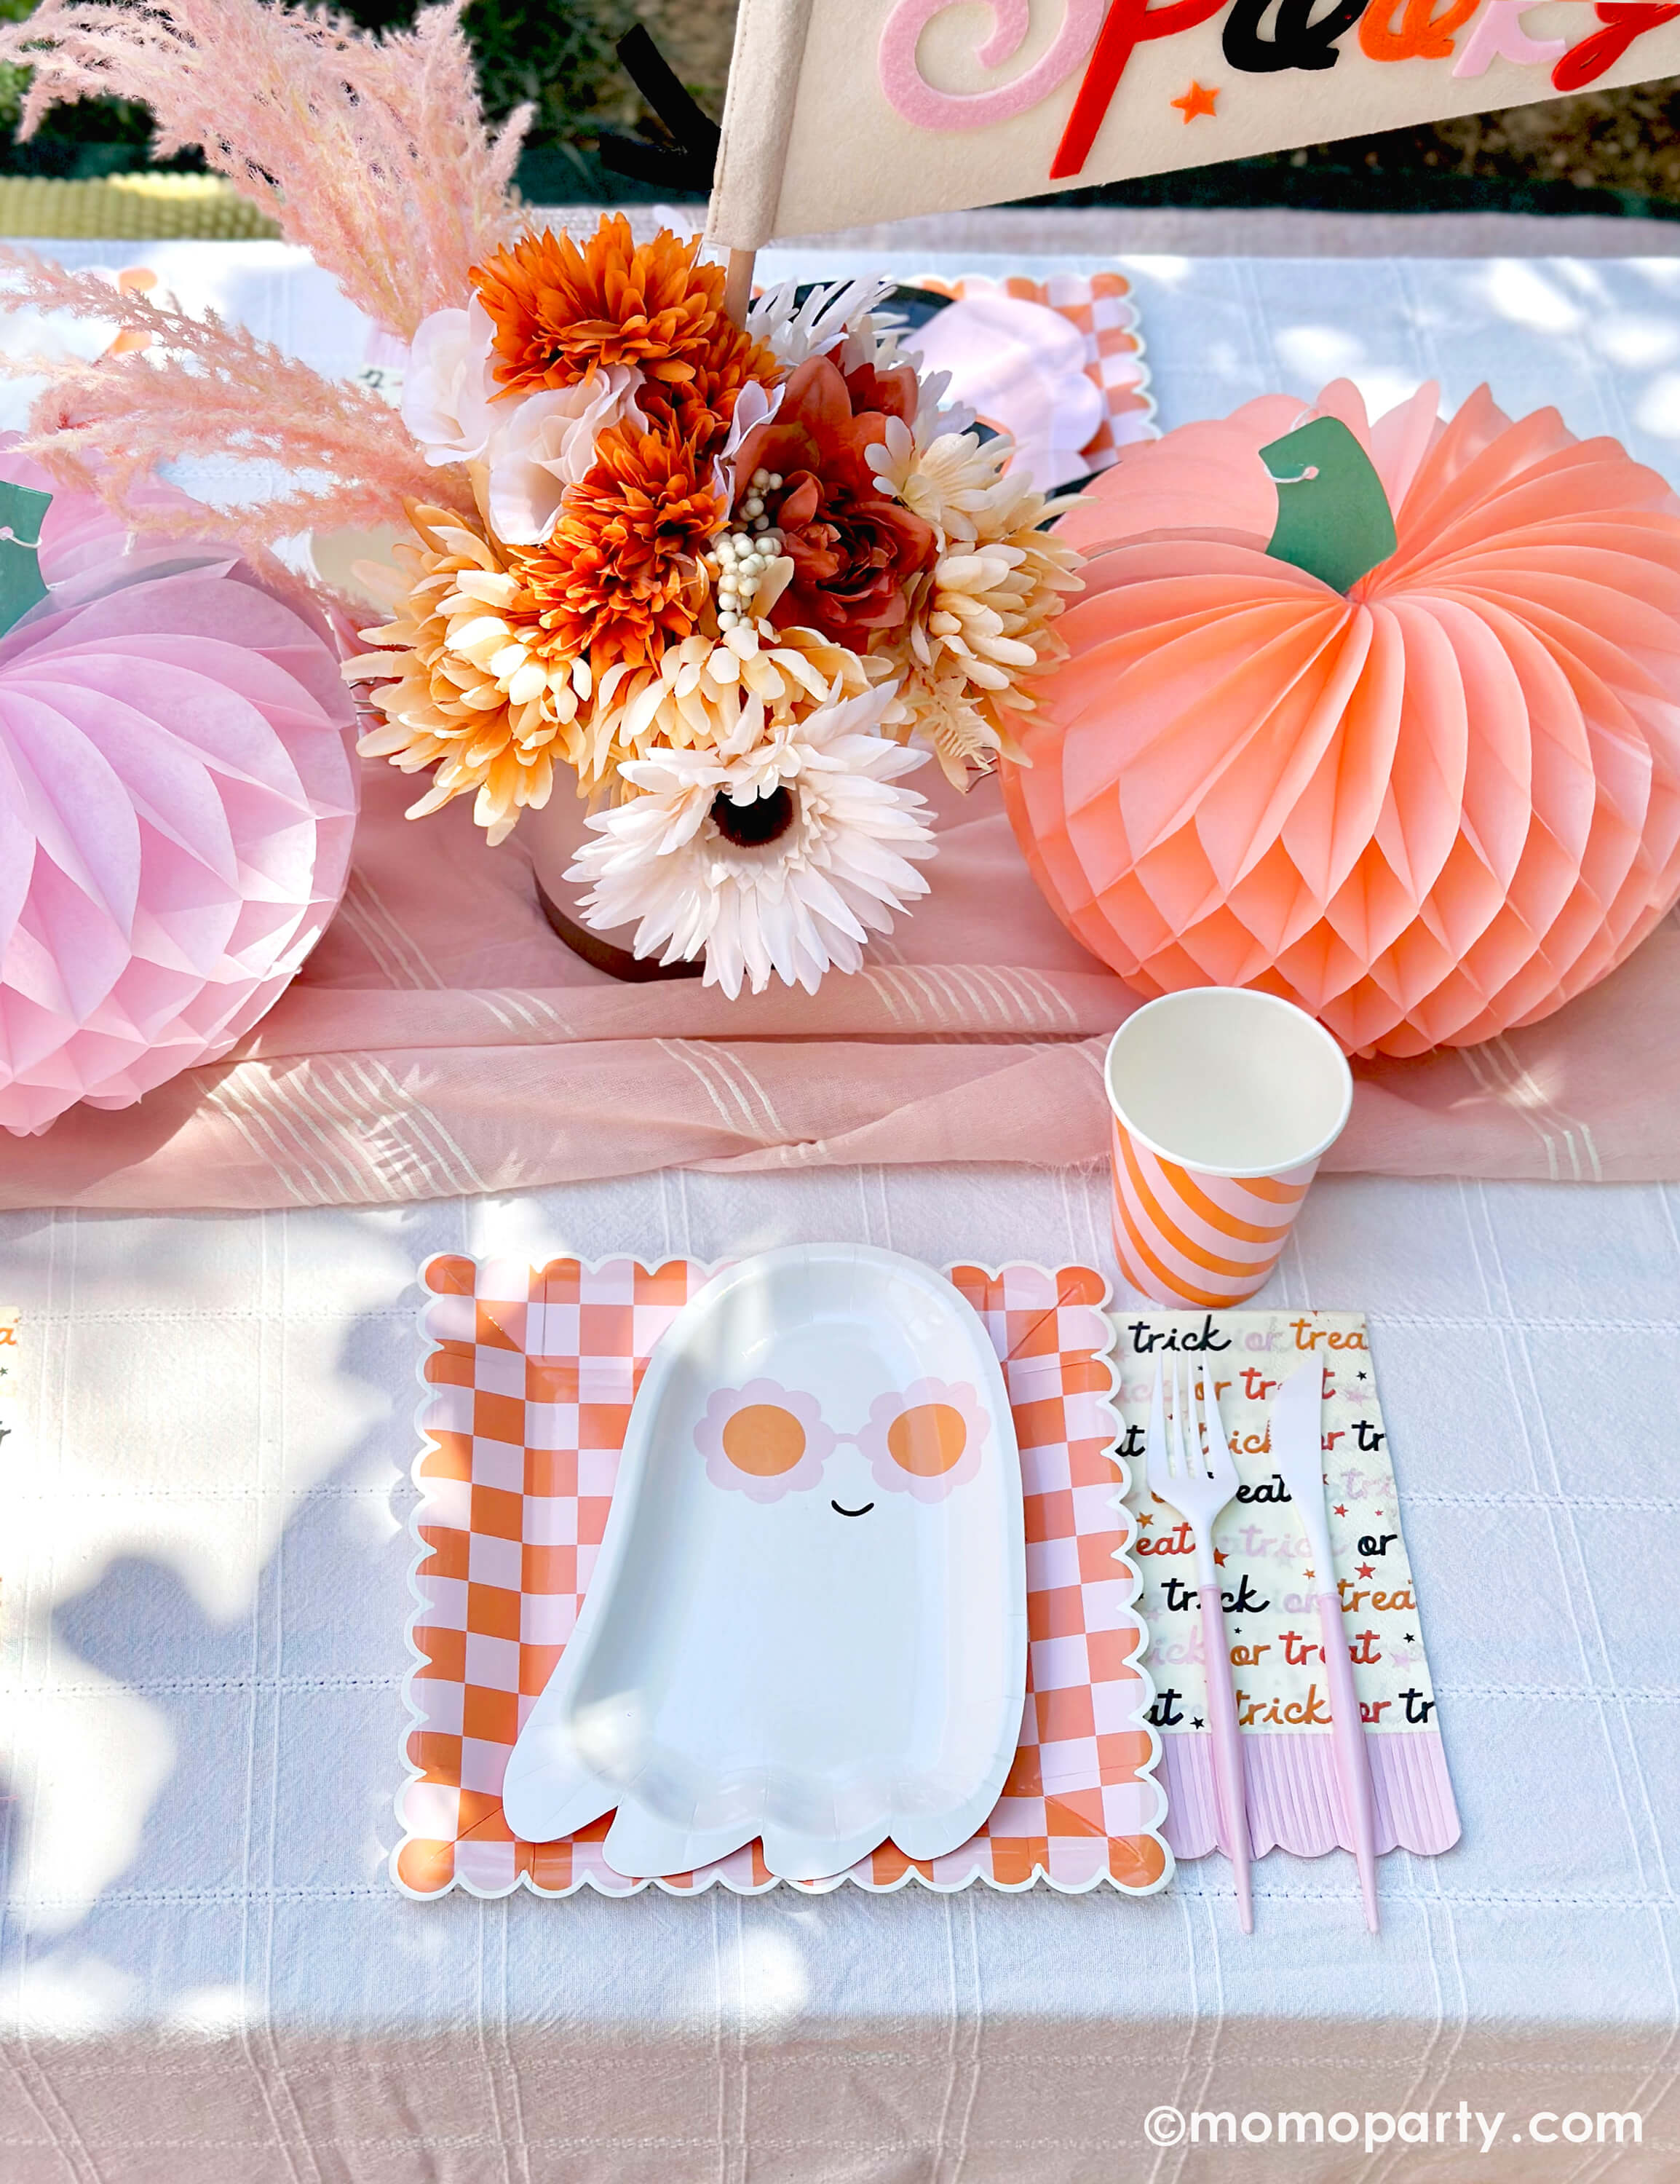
(864, 1512)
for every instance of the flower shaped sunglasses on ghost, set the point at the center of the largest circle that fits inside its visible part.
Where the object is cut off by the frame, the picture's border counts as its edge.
(765, 1440)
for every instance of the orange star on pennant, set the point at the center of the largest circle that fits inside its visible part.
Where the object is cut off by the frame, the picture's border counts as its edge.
(1198, 99)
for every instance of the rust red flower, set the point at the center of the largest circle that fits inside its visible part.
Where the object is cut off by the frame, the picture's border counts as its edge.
(855, 550)
(893, 392)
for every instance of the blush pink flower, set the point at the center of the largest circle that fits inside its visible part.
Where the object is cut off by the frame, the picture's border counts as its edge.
(446, 389)
(763, 1441)
(927, 1441)
(540, 444)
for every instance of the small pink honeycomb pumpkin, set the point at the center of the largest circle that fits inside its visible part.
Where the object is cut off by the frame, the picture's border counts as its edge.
(178, 792)
(1427, 810)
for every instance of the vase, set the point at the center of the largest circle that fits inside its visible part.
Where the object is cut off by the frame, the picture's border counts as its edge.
(553, 836)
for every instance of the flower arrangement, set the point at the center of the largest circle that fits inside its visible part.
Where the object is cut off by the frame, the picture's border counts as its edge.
(735, 580)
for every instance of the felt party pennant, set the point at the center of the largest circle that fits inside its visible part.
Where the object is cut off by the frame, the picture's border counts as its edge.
(841, 111)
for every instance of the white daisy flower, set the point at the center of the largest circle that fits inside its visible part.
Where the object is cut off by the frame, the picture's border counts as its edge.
(843, 319)
(795, 331)
(777, 851)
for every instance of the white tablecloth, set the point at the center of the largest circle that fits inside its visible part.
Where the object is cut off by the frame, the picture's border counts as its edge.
(1601, 337)
(205, 1974)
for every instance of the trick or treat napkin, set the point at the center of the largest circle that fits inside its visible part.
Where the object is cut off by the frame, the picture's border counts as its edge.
(1270, 1584)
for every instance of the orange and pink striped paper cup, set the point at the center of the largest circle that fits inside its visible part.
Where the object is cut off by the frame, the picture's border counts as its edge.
(1224, 1102)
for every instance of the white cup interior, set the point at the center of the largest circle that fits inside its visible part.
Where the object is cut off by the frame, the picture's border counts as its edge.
(1233, 1082)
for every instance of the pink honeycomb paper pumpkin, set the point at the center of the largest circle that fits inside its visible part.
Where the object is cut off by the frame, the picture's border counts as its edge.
(177, 797)
(1426, 811)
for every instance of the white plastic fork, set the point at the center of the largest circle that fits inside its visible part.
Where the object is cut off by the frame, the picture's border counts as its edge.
(1194, 1473)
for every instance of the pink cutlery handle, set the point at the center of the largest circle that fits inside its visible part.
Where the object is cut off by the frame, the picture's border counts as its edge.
(1227, 1750)
(1353, 1761)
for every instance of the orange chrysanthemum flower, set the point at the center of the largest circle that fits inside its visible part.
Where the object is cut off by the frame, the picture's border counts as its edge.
(559, 311)
(619, 579)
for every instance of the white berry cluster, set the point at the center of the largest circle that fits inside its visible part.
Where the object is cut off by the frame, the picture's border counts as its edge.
(740, 558)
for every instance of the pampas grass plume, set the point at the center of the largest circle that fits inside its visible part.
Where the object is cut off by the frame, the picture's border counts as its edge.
(372, 153)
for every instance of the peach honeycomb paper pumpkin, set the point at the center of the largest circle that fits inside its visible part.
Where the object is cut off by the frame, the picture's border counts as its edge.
(1427, 811)
(177, 798)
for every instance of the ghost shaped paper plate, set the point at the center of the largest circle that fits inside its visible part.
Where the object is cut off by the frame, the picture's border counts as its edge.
(808, 1621)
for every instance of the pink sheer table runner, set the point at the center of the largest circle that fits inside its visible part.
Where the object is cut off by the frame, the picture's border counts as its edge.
(441, 1040)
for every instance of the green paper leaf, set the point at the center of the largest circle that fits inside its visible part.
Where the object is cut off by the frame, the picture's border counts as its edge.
(22, 513)
(1333, 518)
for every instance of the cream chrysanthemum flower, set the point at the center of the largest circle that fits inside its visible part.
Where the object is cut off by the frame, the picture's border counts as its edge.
(777, 852)
(697, 693)
(981, 619)
(467, 688)
(955, 481)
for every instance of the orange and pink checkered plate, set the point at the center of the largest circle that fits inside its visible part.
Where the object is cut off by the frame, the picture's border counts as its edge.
(1100, 308)
(530, 1376)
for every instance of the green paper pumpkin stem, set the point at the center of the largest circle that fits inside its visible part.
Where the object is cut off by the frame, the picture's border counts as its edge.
(22, 513)
(1333, 518)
